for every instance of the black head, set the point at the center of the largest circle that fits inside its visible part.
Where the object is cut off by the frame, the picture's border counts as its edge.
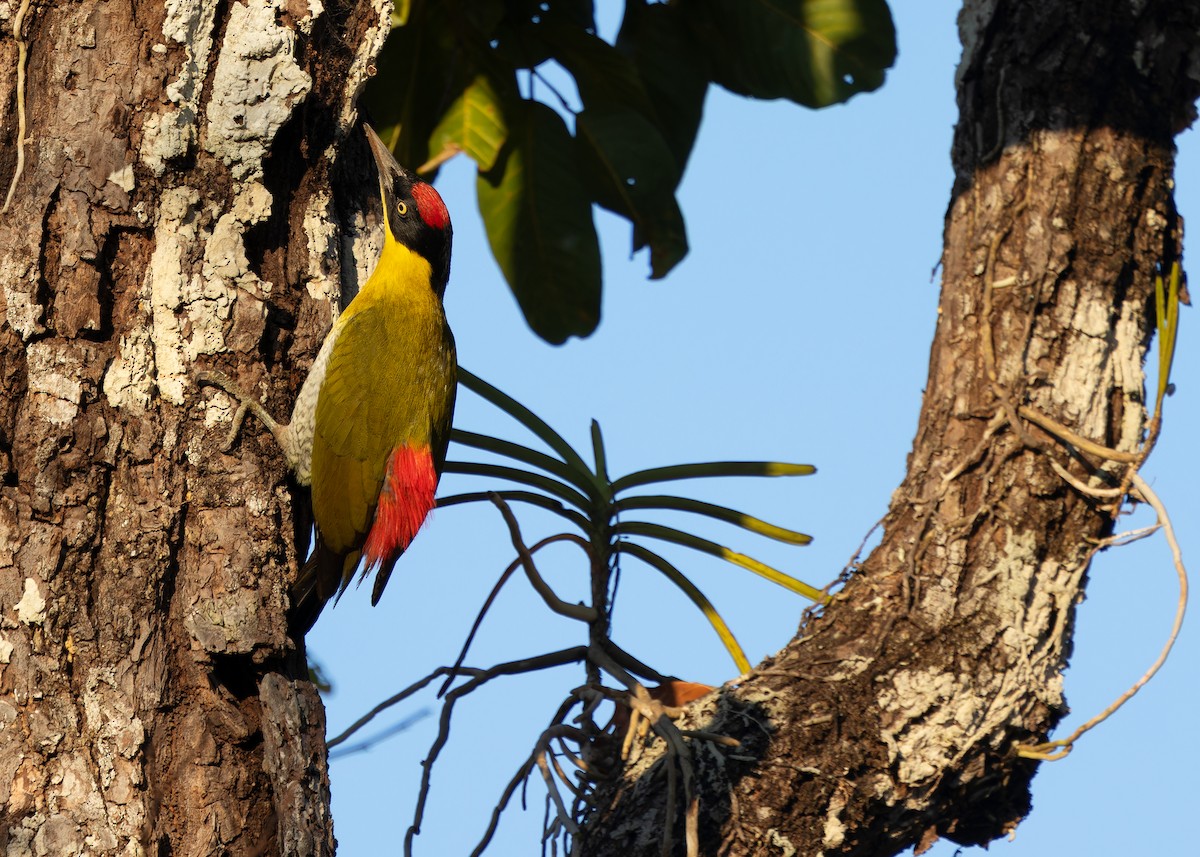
(414, 213)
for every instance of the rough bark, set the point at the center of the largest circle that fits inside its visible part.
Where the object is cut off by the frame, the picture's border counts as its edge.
(891, 720)
(176, 209)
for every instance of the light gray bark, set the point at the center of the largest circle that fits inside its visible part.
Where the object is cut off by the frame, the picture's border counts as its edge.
(175, 208)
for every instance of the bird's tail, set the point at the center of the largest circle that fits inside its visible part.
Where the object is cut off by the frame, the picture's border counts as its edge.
(321, 578)
(326, 575)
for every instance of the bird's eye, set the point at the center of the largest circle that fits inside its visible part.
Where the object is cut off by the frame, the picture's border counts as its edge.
(402, 209)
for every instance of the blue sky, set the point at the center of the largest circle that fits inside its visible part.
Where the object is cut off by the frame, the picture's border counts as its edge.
(814, 236)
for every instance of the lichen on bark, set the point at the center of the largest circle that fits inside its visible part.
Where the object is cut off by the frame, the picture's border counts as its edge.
(151, 697)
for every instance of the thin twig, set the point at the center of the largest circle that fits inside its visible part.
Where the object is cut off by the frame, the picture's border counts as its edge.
(817, 607)
(537, 75)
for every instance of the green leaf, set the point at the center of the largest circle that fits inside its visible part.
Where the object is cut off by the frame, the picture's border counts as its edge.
(434, 51)
(400, 12)
(484, 16)
(523, 477)
(696, 596)
(585, 481)
(530, 497)
(1167, 316)
(675, 78)
(600, 455)
(711, 468)
(721, 513)
(523, 415)
(539, 224)
(604, 75)
(631, 171)
(814, 52)
(404, 109)
(578, 13)
(670, 534)
(520, 38)
(627, 165)
(473, 124)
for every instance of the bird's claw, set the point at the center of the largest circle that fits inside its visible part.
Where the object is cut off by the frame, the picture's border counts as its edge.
(214, 378)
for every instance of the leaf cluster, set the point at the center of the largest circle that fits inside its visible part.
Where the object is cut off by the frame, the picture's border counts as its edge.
(472, 76)
(603, 511)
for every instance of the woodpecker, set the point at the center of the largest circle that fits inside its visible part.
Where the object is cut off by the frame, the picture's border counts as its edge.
(370, 427)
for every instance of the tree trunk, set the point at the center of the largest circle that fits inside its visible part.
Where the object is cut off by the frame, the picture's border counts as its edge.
(891, 720)
(172, 208)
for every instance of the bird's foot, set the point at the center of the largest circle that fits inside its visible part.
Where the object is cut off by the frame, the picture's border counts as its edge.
(246, 403)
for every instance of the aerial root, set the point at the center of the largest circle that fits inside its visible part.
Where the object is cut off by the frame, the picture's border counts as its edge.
(1132, 485)
(574, 753)
(589, 751)
(1053, 750)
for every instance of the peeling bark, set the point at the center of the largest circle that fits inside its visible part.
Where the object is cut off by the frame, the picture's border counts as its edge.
(891, 720)
(178, 207)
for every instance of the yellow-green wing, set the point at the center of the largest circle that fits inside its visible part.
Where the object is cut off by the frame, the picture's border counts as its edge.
(389, 380)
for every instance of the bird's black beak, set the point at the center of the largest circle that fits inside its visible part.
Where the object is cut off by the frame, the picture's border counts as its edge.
(389, 171)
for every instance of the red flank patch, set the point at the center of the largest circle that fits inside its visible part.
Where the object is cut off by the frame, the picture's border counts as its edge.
(404, 503)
